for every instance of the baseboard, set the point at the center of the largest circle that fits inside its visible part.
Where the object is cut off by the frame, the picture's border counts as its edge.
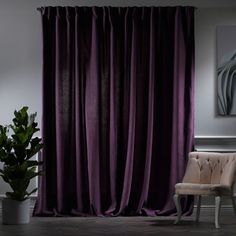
(31, 197)
(204, 208)
(207, 207)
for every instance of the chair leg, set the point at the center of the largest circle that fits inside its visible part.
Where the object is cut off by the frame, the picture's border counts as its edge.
(199, 198)
(233, 203)
(178, 208)
(217, 211)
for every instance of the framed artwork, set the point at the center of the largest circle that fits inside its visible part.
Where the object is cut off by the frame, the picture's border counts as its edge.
(226, 69)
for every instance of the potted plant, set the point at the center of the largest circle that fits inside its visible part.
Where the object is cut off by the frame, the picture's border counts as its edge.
(17, 147)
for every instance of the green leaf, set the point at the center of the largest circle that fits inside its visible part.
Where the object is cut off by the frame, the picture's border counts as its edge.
(19, 185)
(33, 191)
(17, 196)
(32, 173)
(34, 163)
(16, 149)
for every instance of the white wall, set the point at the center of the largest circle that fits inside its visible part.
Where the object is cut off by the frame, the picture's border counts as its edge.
(21, 57)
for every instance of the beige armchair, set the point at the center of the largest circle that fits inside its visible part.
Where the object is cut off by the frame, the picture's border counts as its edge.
(211, 174)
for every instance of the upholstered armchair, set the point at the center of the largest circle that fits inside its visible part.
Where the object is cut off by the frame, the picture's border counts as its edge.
(210, 174)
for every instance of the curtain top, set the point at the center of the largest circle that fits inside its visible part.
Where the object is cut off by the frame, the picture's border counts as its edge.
(73, 10)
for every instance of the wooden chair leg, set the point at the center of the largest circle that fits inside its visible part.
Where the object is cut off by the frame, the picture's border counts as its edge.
(217, 211)
(234, 205)
(199, 198)
(178, 208)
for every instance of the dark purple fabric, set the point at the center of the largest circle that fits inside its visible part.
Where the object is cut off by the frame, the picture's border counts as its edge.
(118, 88)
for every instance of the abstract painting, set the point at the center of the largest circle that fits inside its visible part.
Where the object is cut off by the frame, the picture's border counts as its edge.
(226, 69)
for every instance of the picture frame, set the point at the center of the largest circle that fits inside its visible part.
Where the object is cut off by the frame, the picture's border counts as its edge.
(226, 69)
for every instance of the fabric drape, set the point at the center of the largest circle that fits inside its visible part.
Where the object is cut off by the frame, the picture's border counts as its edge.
(118, 86)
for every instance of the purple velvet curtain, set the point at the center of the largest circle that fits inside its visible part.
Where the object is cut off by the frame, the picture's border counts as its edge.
(117, 109)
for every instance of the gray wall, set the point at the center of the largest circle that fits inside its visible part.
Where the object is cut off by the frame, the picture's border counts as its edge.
(21, 57)
(207, 122)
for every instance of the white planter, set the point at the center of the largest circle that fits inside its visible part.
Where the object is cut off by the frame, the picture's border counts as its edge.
(15, 212)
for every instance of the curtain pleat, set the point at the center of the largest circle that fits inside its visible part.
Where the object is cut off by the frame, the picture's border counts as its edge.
(118, 88)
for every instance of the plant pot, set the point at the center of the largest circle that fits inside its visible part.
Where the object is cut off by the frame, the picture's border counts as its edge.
(15, 212)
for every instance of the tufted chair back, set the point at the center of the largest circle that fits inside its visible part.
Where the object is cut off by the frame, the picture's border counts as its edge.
(211, 168)
(207, 174)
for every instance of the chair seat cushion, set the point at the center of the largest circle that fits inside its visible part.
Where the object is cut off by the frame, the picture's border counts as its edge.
(202, 189)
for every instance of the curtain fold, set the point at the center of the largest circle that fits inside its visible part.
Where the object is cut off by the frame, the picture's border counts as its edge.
(118, 89)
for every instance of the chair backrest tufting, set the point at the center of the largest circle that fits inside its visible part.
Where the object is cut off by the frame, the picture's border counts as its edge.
(211, 168)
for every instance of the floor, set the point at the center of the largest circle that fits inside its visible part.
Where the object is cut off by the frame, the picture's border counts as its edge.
(124, 226)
